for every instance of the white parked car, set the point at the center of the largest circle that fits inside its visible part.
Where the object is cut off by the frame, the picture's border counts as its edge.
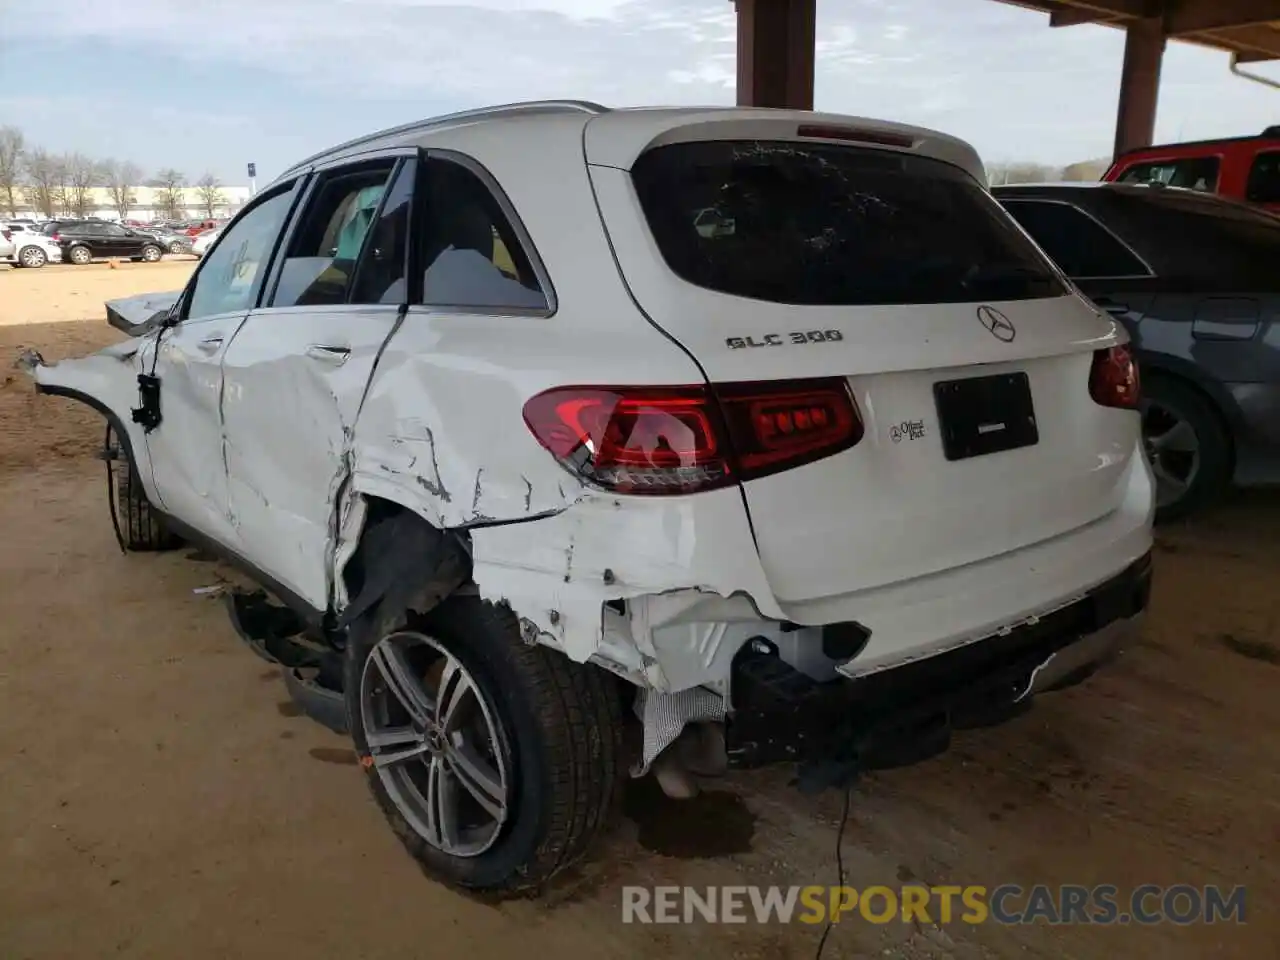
(532, 452)
(202, 241)
(27, 246)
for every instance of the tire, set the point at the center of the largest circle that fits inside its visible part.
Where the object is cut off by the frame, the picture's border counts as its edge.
(32, 256)
(141, 526)
(1186, 440)
(557, 749)
(80, 255)
(151, 253)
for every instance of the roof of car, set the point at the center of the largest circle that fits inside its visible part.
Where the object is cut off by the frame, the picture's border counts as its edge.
(1067, 186)
(1270, 133)
(632, 129)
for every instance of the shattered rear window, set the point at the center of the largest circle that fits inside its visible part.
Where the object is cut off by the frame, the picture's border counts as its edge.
(820, 224)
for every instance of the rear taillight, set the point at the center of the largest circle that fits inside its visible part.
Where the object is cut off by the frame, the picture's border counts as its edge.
(54, 237)
(6, 234)
(1113, 379)
(671, 440)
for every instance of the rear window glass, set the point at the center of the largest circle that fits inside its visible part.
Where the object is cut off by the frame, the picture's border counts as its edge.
(1216, 241)
(1193, 173)
(820, 224)
(1081, 246)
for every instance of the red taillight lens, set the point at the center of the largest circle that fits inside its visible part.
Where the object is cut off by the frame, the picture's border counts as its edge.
(671, 440)
(6, 234)
(55, 238)
(776, 427)
(1113, 379)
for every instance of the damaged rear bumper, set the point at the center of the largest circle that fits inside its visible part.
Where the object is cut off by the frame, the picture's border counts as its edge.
(906, 714)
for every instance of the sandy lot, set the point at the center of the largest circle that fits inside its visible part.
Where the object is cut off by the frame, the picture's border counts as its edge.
(159, 796)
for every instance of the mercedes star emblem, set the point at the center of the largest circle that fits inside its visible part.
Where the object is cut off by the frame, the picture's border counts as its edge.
(997, 324)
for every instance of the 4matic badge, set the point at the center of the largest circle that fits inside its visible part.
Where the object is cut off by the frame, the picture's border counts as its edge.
(784, 339)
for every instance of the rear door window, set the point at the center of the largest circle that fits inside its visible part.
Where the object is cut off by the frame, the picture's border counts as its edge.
(1193, 173)
(1218, 243)
(1264, 178)
(1080, 245)
(472, 254)
(819, 224)
(321, 261)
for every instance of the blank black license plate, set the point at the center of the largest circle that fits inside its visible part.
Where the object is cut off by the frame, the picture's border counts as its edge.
(982, 415)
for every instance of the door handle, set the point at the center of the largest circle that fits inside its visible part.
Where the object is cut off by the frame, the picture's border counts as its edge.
(329, 354)
(211, 345)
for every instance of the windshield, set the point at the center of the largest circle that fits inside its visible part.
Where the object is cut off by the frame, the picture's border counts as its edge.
(819, 224)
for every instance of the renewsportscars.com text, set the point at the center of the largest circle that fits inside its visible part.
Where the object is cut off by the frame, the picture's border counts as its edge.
(1180, 904)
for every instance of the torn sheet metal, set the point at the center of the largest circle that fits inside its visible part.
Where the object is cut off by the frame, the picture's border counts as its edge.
(482, 469)
(559, 572)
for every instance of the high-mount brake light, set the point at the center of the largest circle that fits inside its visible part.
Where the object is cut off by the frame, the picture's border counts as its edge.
(884, 138)
(675, 440)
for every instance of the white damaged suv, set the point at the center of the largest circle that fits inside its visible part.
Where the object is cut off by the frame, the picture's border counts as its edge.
(768, 426)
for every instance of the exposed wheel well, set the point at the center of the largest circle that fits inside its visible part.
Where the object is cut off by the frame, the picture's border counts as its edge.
(403, 557)
(1210, 401)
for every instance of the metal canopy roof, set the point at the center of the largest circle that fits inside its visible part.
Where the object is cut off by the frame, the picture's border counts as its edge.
(1250, 29)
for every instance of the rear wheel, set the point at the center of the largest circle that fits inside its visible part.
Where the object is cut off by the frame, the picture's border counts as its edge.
(151, 253)
(1187, 445)
(495, 762)
(33, 257)
(141, 526)
(81, 255)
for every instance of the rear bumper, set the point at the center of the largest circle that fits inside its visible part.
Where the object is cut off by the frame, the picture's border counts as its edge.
(906, 714)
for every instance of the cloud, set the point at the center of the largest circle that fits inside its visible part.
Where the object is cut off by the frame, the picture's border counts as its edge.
(628, 51)
(989, 72)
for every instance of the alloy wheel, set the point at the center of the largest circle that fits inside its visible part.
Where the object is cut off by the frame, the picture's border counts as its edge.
(1173, 450)
(435, 742)
(32, 257)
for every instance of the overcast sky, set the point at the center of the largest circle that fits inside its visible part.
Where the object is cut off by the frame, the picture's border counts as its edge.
(206, 85)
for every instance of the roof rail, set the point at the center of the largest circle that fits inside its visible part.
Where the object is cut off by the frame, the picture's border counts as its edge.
(481, 113)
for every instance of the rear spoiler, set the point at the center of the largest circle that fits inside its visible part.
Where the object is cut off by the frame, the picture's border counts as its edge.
(139, 315)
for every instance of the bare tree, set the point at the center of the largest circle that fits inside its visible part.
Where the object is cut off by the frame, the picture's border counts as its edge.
(1086, 170)
(120, 177)
(169, 196)
(62, 194)
(999, 173)
(11, 146)
(210, 195)
(82, 176)
(44, 180)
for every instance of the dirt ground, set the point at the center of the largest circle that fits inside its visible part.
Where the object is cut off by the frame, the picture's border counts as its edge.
(160, 797)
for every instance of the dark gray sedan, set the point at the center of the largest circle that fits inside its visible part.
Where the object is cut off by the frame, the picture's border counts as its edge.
(1196, 280)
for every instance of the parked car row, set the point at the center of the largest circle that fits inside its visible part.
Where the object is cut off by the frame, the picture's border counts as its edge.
(22, 245)
(29, 243)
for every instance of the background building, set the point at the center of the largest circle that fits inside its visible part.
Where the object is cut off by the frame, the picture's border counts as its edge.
(143, 203)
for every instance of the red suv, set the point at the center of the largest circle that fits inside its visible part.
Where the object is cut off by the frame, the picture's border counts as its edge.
(1242, 168)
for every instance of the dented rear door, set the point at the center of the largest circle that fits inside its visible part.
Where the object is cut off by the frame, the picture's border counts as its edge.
(295, 376)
